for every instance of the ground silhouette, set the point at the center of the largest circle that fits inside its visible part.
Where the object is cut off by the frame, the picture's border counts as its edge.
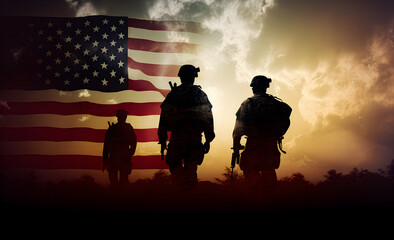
(360, 190)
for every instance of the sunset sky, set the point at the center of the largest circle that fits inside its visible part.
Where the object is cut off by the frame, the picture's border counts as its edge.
(331, 61)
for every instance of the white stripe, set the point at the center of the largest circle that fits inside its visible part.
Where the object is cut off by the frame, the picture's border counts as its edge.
(166, 36)
(69, 148)
(162, 58)
(75, 121)
(81, 95)
(158, 82)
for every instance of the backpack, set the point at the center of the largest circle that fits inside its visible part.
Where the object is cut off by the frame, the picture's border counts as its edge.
(270, 115)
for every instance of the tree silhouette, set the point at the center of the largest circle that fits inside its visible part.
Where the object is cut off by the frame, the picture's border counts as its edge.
(227, 177)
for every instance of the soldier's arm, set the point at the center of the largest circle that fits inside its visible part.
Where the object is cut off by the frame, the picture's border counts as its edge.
(209, 132)
(240, 127)
(133, 141)
(106, 146)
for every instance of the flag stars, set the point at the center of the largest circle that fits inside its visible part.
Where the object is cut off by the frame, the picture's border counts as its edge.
(86, 80)
(95, 43)
(92, 51)
(77, 46)
(112, 57)
(120, 64)
(67, 54)
(104, 50)
(68, 39)
(104, 65)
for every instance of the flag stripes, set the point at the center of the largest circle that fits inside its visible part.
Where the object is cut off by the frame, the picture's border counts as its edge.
(68, 134)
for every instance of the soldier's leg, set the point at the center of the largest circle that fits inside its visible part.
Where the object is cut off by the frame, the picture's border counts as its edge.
(269, 180)
(190, 173)
(174, 159)
(253, 178)
(123, 178)
(113, 178)
(124, 172)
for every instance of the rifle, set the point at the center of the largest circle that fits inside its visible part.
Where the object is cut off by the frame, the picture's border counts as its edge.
(104, 159)
(235, 159)
(162, 152)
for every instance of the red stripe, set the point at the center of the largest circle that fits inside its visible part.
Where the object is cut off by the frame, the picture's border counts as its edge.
(155, 69)
(137, 109)
(162, 47)
(68, 134)
(143, 85)
(74, 162)
(166, 25)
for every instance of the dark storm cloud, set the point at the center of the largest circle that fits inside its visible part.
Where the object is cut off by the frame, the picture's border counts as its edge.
(48, 8)
(69, 8)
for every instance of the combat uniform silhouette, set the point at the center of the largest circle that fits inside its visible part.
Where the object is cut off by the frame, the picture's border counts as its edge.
(119, 147)
(186, 113)
(264, 119)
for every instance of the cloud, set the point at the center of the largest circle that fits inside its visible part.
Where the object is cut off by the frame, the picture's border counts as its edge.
(84, 8)
(237, 23)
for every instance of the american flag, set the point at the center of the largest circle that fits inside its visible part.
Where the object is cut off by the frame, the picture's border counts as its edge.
(63, 79)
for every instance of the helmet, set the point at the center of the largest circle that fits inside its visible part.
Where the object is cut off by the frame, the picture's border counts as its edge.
(188, 70)
(121, 113)
(260, 81)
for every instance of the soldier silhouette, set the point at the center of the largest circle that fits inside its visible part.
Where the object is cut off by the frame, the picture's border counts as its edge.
(186, 113)
(264, 119)
(119, 147)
